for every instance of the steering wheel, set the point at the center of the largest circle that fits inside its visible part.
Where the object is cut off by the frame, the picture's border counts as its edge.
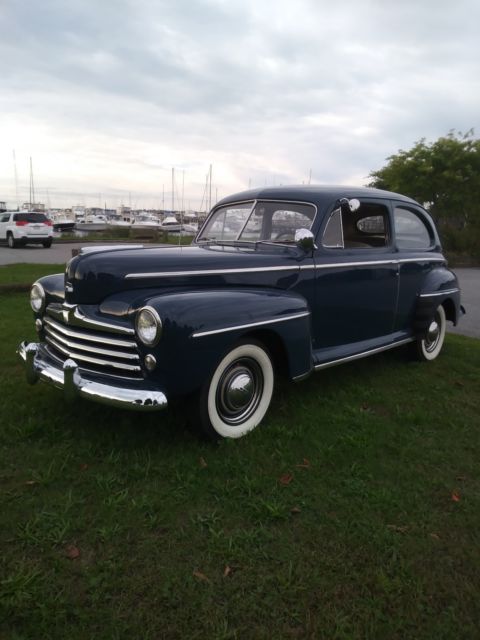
(284, 236)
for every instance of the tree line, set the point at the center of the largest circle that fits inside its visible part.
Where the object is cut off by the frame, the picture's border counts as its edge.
(443, 176)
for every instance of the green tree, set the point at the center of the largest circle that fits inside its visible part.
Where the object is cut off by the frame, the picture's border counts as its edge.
(444, 176)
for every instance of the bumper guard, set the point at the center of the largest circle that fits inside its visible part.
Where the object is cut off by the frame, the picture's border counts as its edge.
(74, 385)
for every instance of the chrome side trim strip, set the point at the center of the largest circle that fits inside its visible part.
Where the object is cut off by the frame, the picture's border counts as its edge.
(421, 260)
(333, 265)
(200, 334)
(208, 272)
(108, 247)
(95, 349)
(89, 336)
(366, 263)
(102, 363)
(363, 354)
(439, 293)
(341, 265)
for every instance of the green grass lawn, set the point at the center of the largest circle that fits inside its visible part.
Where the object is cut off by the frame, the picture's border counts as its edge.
(352, 512)
(26, 274)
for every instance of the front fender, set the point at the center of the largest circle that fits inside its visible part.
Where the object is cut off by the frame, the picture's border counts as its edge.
(200, 326)
(54, 287)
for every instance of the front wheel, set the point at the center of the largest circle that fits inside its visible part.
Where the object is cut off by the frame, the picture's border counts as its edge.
(237, 396)
(430, 346)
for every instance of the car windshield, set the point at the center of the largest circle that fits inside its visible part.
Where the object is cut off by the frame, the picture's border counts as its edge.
(260, 221)
(30, 217)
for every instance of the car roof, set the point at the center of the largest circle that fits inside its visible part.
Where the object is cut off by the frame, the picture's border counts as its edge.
(318, 194)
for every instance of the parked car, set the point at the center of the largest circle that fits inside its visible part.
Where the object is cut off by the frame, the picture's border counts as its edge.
(285, 280)
(25, 227)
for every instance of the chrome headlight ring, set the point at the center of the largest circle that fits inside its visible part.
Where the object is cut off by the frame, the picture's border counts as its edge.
(37, 297)
(148, 326)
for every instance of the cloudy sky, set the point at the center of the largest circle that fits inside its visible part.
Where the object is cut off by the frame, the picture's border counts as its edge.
(107, 97)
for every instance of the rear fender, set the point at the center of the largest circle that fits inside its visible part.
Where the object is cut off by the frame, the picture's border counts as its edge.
(439, 287)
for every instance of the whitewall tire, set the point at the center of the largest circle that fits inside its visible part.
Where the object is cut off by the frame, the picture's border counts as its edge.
(429, 347)
(236, 398)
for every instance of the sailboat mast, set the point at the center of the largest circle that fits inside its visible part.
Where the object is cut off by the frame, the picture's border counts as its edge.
(16, 177)
(183, 190)
(210, 190)
(173, 190)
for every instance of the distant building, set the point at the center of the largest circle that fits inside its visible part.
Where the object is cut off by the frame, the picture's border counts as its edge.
(33, 206)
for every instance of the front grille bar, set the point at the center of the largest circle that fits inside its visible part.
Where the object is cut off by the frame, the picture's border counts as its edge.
(92, 349)
(80, 356)
(113, 351)
(88, 335)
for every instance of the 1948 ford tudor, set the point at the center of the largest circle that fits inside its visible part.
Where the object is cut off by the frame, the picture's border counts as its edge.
(286, 279)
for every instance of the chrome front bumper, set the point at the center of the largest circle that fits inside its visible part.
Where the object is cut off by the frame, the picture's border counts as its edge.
(68, 378)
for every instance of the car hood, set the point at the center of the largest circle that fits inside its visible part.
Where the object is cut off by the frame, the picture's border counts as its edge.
(93, 276)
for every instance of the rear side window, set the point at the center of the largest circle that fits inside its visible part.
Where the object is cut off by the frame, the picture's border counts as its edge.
(410, 230)
(30, 217)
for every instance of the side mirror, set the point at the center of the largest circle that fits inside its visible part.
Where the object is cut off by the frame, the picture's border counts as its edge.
(304, 239)
(349, 205)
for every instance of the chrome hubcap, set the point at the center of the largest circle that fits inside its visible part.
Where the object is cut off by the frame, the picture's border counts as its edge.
(433, 334)
(239, 391)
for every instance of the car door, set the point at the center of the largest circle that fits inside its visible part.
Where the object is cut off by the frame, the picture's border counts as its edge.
(418, 252)
(356, 272)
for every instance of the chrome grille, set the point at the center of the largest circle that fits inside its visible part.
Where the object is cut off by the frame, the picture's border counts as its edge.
(101, 351)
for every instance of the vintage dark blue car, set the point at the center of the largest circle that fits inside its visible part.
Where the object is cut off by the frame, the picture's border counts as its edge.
(278, 280)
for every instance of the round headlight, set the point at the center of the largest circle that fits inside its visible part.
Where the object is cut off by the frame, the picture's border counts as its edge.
(37, 297)
(148, 326)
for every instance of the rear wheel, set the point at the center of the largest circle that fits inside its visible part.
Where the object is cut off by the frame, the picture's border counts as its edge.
(429, 347)
(11, 240)
(237, 396)
(47, 243)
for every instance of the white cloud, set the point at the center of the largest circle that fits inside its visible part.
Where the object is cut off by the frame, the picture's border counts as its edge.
(107, 97)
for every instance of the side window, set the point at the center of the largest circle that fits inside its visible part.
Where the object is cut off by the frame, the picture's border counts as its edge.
(333, 234)
(5, 217)
(365, 228)
(411, 232)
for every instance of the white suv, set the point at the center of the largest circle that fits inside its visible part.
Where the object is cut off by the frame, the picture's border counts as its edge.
(19, 228)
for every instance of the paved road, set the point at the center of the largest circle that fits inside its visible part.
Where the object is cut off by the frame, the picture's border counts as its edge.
(59, 253)
(469, 324)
